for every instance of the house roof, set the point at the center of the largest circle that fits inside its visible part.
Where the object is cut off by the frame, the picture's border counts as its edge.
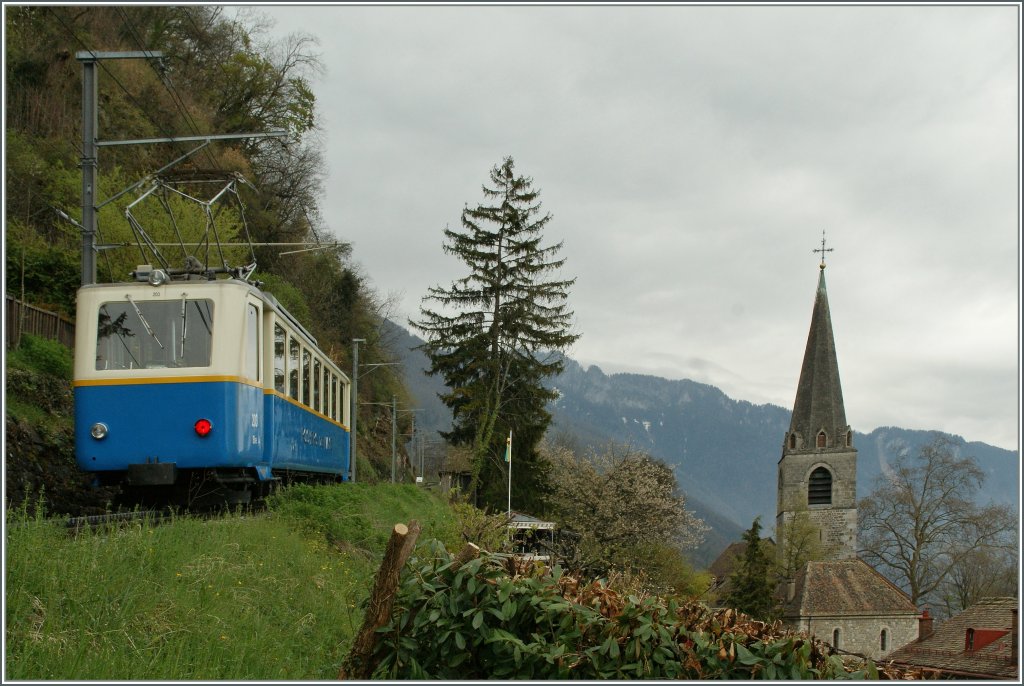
(525, 521)
(945, 650)
(845, 588)
(725, 563)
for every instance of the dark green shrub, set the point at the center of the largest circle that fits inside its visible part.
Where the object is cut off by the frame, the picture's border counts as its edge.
(52, 275)
(494, 619)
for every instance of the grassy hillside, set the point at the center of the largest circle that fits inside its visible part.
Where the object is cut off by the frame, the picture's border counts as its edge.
(272, 596)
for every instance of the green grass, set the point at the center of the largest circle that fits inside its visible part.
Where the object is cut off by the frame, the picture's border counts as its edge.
(272, 596)
(20, 410)
(35, 353)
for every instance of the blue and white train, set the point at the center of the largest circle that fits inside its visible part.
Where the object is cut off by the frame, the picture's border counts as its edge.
(196, 392)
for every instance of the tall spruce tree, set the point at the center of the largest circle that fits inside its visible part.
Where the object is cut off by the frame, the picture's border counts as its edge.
(497, 333)
(750, 585)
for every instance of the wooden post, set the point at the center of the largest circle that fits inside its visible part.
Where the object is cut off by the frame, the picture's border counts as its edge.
(360, 662)
(21, 305)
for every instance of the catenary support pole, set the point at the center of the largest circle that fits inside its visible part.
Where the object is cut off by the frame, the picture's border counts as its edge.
(89, 125)
(394, 436)
(355, 408)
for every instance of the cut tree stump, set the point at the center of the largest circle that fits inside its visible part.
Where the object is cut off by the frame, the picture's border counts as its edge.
(360, 663)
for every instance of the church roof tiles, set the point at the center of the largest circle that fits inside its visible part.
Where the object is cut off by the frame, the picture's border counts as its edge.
(845, 588)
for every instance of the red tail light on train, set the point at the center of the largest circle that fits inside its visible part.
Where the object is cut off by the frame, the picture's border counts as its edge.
(203, 428)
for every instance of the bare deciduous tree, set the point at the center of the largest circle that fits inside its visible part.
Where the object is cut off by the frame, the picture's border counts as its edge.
(981, 573)
(922, 519)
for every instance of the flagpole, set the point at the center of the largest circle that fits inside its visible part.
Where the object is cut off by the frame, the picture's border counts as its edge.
(508, 457)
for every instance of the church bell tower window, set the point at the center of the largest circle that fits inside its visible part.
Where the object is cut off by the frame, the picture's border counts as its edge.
(819, 487)
(821, 439)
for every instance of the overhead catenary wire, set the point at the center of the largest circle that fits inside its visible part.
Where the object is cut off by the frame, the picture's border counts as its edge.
(156, 63)
(117, 81)
(181, 107)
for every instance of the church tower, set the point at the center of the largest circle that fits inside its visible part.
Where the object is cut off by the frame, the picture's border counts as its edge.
(817, 490)
(829, 591)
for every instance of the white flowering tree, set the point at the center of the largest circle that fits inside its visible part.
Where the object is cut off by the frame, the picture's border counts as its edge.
(624, 504)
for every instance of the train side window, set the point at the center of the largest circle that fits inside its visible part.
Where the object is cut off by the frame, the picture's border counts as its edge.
(334, 396)
(328, 408)
(252, 342)
(278, 358)
(316, 384)
(293, 368)
(328, 398)
(306, 362)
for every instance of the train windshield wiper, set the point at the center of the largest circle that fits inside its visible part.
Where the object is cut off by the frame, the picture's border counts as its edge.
(142, 319)
(184, 325)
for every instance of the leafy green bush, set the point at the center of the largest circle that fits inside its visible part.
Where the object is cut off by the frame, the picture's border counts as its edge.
(493, 619)
(43, 355)
(489, 531)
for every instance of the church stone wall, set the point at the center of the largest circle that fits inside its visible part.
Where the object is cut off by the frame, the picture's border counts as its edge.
(838, 531)
(837, 521)
(862, 634)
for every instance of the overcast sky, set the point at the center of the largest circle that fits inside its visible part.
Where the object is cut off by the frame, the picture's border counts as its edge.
(691, 157)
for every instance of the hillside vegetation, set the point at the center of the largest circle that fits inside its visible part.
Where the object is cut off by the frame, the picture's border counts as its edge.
(280, 594)
(221, 74)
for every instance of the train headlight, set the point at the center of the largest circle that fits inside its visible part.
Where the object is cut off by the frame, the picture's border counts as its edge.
(157, 277)
(203, 428)
(98, 431)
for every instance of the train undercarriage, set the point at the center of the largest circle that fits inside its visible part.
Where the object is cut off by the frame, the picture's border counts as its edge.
(163, 485)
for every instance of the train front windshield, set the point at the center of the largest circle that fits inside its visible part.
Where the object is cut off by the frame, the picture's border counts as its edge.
(154, 334)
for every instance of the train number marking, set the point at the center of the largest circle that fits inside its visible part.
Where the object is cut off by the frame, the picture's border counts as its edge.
(313, 438)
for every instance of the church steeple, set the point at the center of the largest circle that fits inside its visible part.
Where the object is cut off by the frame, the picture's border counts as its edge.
(818, 469)
(819, 416)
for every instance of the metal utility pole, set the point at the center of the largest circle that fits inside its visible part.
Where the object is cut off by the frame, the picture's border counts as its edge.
(91, 145)
(419, 444)
(394, 435)
(90, 122)
(355, 407)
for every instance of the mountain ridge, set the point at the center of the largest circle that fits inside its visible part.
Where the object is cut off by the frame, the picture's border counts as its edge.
(724, 451)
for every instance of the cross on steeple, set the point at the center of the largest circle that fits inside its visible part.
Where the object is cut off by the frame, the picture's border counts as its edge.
(822, 249)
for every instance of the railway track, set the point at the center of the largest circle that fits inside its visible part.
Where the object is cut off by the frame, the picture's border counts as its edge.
(149, 517)
(76, 524)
